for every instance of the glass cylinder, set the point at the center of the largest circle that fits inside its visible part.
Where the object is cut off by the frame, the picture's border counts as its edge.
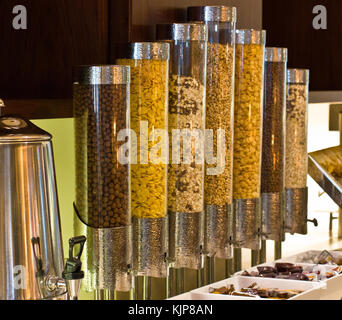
(273, 146)
(149, 119)
(221, 23)
(101, 115)
(187, 84)
(249, 87)
(296, 166)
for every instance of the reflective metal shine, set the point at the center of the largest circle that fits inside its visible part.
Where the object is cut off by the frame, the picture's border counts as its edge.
(186, 240)
(31, 251)
(247, 223)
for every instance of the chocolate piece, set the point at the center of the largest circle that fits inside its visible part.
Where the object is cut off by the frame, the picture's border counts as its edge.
(283, 267)
(296, 269)
(268, 275)
(299, 276)
(266, 269)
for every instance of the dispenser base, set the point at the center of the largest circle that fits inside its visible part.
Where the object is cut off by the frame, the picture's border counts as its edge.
(273, 216)
(247, 223)
(296, 214)
(150, 247)
(218, 231)
(107, 258)
(186, 240)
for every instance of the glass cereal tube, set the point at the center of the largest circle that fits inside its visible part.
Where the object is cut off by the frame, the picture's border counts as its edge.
(221, 23)
(149, 63)
(273, 148)
(296, 165)
(249, 87)
(187, 83)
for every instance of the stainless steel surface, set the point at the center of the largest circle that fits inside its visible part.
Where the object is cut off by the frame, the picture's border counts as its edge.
(107, 258)
(182, 32)
(229, 268)
(296, 211)
(150, 247)
(186, 240)
(180, 286)
(277, 250)
(298, 76)
(101, 74)
(112, 258)
(100, 294)
(16, 130)
(237, 260)
(255, 257)
(263, 253)
(210, 270)
(273, 216)
(218, 233)
(74, 287)
(275, 54)
(321, 164)
(212, 13)
(146, 51)
(250, 36)
(31, 250)
(247, 223)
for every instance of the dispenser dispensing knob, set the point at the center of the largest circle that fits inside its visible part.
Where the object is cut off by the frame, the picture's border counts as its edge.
(73, 273)
(314, 221)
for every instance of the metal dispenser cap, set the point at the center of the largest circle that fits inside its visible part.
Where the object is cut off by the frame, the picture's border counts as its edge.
(145, 51)
(250, 36)
(298, 76)
(17, 129)
(102, 74)
(212, 14)
(182, 32)
(276, 55)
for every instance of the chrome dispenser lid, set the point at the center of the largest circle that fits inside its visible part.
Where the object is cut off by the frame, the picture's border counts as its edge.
(212, 13)
(182, 32)
(16, 129)
(275, 54)
(250, 36)
(298, 76)
(144, 51)
(101, 74)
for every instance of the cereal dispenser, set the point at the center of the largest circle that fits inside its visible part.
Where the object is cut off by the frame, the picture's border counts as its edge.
(296, 165)
(273, 146)
(149, 105)
(249, 84)
(31, 250)
(221, 23)
(186, 148)
(101, 113)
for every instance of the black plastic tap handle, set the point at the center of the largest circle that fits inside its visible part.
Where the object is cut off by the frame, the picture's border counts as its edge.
(72, 243)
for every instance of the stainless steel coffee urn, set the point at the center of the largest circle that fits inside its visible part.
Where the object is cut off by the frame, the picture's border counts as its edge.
(31, 251)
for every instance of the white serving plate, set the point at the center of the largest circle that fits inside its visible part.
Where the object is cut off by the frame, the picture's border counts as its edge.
(333, 285)
(312, 290)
